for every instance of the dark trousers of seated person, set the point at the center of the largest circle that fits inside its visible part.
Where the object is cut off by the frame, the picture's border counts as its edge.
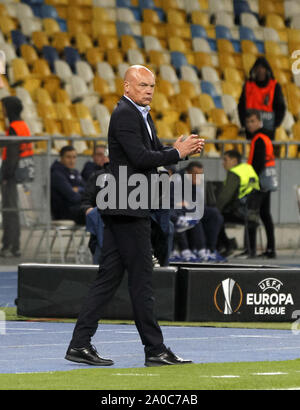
(250, 233)
(205, 234)
(126, 245)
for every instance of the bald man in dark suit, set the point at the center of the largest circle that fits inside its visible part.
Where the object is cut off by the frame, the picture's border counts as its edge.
(133, 144)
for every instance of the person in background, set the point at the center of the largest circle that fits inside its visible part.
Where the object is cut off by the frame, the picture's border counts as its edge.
(262, 156)
(264, 94)
(67, 187)
(100, 158)
(11, 154)
(241, 181)
(198, 242)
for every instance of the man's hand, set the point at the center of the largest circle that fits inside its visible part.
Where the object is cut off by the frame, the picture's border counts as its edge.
(191, 145)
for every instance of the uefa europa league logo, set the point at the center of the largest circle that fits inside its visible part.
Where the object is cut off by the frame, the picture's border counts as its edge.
(225, 298)
(227, 286)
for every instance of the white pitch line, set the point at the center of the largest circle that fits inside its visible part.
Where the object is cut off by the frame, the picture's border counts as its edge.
(269, 374)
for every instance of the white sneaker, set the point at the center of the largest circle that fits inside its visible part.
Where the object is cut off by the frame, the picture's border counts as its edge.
(188, 256)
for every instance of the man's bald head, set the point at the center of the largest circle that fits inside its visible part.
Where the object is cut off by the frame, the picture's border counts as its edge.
(139, 84)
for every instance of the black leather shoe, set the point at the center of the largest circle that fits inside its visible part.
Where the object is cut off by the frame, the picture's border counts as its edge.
(165, 358)
(268, 255)
(88, 355)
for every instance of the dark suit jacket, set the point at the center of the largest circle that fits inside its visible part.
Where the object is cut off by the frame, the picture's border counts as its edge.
(130, 145)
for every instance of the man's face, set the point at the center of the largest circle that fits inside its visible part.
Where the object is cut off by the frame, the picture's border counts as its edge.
(139, 87)
(261, 73)
(229, 163)
(99, 156)
(253, 124)
(194, 172)
(69, 159)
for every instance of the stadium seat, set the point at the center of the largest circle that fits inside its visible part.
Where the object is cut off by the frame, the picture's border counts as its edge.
(167, 72)
(164, 130)
(39, 39)
(29, 25)
(152, 16)
(50, 26)
(7, 24)
(104, 70)
(225, 33)
(232, 88)
(205, 102)
(105, 29)
(62, 70)
(83, 42)
(188, 89)
(84, 70)
(101, 86)
(46, 111)
(246, 33)
(135, 57)
(174, 16)
(165, 87)
(232, 74)
(248, 46)
(248, 19)
(178, 59)
(225, 19)
(267, 7)
(94, 56)
(71, 56)
(203, 59)
(152, 43)
(61, 40)
(51, 55)
(18, 71)
(28, 53)
(114, 57)
(41, 69)
(102, 114)
(291, 8)
(189, 73)
(18, 39)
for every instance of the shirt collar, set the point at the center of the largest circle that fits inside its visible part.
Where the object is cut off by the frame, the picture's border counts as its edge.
(144, 110)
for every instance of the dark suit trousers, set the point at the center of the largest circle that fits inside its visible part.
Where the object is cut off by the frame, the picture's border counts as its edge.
(126, 245)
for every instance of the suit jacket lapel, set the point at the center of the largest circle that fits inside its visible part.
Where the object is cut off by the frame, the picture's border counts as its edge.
(151, 142)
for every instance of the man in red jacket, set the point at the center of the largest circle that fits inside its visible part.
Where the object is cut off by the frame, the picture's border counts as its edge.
(263, 93)
(262, 156)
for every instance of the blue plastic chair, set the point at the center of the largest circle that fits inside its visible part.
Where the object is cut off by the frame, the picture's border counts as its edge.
(178, 59)
(198, 31)
(224, 32)
(146, 4)
(18, 38)
(31, 2)
(50, 54)
(149, 4)
(241, 6)
(208, 88)
(62, 24)
(218, 101)
(71, 57)
(123, 3)
(48, 11)
(123, 28)
(246, 33)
